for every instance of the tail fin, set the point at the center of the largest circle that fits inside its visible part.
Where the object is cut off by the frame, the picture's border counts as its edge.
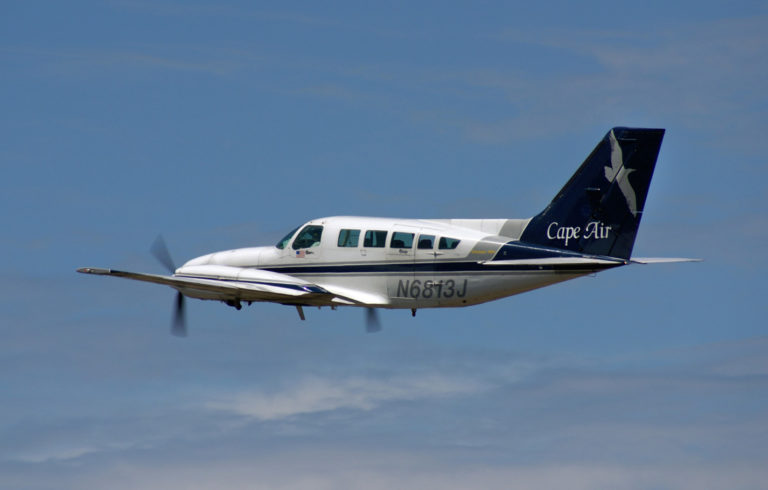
(598, 211)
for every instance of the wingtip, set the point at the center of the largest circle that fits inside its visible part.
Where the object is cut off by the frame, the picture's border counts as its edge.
(93, 270)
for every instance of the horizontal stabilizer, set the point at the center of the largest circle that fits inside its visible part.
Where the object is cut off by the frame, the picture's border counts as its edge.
(661, 260)
(572, 265)
(585, 261)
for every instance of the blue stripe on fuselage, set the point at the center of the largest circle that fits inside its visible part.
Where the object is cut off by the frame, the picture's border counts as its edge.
(421, 267)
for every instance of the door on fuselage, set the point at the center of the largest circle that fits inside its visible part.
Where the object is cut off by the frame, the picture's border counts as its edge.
(374, 244)
(399, 267)
(423, 287)
(412, 254)
(433, 283)
(400, 249)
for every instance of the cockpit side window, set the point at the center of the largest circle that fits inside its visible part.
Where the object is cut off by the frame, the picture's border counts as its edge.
(348, 238)
(446, 243)
(375, 239)
(287, 238)
(401, 240)
(308, 237)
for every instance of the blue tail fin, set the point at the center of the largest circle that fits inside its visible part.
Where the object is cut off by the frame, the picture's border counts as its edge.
(598, 211)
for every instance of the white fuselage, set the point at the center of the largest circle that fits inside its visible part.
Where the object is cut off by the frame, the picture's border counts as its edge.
(398, 263)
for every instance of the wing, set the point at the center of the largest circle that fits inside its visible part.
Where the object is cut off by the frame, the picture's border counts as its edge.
(234, 283)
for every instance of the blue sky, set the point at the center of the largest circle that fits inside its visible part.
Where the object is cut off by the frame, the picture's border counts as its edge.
(226, 124)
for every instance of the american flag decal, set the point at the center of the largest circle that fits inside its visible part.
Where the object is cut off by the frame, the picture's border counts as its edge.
(301, 254)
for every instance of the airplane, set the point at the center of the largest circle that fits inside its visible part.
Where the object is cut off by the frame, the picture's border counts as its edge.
(590, 226)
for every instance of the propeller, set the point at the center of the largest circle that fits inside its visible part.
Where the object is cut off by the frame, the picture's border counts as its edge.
(372, 323)
(178, 323)
(160, 250)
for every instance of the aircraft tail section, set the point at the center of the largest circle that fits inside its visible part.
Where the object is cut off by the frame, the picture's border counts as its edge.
(598, 210)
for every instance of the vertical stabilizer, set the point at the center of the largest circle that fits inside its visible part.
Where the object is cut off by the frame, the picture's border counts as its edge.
(598, 211)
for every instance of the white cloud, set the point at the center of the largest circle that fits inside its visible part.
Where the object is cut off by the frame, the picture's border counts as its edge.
(499, 423)
(373, 470)
(315, 394)
(61, 452)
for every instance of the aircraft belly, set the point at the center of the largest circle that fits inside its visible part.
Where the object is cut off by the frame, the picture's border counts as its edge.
(481, 288)
(436, 289)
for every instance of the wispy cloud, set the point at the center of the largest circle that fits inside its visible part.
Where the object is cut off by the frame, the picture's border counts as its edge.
(684, 74)
(73, 62)
(538, 424)
(329, 468)
(315, 394)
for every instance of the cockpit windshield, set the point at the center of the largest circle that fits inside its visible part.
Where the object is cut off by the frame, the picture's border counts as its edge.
(309, 236)
(287, 238)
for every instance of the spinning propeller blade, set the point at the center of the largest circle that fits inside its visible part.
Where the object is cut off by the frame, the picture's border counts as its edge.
(372, 323)
(179, 321)
(160, 250)
(179, 325)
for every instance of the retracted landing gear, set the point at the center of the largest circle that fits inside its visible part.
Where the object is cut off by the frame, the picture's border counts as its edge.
(413, 311)
(234, 303)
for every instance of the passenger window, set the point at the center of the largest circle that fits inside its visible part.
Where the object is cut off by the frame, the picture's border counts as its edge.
(349, 238)
(448, 243)
(375, 239)
(309, 236)
(401, 240)
(426, 242)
